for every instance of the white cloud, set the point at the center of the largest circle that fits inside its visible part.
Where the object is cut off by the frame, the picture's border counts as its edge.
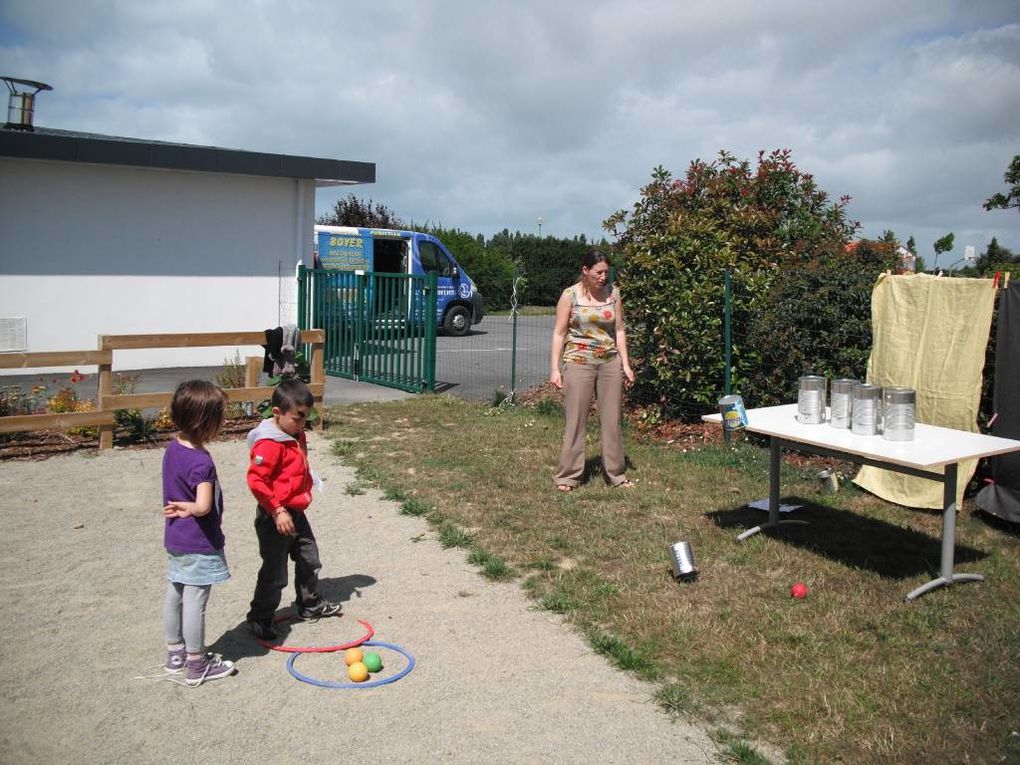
(485, 115)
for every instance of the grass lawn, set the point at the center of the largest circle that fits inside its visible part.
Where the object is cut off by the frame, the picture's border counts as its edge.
(849, 674)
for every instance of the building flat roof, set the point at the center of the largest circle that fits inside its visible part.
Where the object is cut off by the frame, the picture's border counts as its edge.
(70, 146)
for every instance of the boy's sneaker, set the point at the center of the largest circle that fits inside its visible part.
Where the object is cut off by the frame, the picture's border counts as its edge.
(175, 661)
(208, 667)
(320, 610)
(262, 630)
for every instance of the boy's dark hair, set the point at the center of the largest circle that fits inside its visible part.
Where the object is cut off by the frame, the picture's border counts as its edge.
(290, 393)
(197, 409)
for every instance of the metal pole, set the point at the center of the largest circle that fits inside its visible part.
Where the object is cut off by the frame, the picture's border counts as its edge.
(513, 350)
(727, 294)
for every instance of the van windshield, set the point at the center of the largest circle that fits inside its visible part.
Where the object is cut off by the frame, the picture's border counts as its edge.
(434, 259)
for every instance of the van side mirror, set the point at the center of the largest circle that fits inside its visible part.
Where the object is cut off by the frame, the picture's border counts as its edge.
(455, 273)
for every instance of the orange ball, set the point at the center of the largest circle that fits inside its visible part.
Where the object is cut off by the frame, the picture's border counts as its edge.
(358, 672)
(352, 655)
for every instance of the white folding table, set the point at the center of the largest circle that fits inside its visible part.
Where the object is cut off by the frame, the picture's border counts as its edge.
(932, 448)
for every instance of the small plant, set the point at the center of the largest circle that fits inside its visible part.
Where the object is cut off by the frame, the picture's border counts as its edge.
(737, 750)
(66, 400)
(415, 507)
(354, 489)
(675, 700)
(622, 655)
(395, 494)
(451, 535)
(493, 567)
(13, 400)
(500, 398)
(138, 427)
(344, 448)
(232, 375)
(549, 407)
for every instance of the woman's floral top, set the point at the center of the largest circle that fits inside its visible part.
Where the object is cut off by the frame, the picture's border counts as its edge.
(591, 334)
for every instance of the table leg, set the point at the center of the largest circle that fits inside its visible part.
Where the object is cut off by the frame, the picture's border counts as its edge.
(775, 453)
(946, 576)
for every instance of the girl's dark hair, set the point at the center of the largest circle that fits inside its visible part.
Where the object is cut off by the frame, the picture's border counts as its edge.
(197, 409)
(594, 256)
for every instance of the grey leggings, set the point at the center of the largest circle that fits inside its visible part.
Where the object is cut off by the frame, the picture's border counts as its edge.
(184, 615)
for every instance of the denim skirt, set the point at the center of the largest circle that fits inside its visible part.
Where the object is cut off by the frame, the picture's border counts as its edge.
(198, 568)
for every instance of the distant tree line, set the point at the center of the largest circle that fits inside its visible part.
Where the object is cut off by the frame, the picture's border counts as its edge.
(801, 283)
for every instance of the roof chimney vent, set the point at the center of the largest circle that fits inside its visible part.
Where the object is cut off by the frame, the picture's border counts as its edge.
(21, 105)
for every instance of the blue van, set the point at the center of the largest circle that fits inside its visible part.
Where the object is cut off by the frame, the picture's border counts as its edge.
(459, 304)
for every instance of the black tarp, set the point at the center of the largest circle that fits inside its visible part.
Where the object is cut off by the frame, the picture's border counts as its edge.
(1001, 497)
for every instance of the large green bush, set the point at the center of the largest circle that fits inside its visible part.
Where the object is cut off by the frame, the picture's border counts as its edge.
(682, 237)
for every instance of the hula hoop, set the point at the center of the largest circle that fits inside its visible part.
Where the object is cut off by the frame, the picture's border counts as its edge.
(369, 684)
(296, 649)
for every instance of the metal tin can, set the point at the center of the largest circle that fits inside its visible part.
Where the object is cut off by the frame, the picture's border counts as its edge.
(841, 396)
(811, 400)
(683, 560)
(867, 410)
(898, 414)
(734, 416)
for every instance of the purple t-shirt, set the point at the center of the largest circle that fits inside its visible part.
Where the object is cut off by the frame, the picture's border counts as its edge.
(183, 470)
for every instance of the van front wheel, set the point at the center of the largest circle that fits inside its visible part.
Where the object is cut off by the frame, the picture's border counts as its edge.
(457, 321)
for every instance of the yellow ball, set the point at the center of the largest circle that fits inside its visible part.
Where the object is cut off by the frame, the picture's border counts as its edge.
(352, 655)
(357, 672)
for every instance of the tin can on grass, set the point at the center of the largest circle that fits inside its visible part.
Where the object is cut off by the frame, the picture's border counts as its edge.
(734, 416)
(682, 556)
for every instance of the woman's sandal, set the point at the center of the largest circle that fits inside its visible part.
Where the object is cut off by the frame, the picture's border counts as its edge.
(628, 484)
(564, 487)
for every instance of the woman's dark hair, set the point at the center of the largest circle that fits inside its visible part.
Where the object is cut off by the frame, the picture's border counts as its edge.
(197, 409)
(594, 256)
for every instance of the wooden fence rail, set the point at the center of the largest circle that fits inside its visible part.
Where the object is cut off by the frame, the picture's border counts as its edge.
(108, 402)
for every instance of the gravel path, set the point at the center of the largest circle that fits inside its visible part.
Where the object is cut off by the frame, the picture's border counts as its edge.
(82, 580)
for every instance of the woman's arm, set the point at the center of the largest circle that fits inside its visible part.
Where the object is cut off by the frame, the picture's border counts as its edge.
(621, 339)
(201, 506)
(559, 337)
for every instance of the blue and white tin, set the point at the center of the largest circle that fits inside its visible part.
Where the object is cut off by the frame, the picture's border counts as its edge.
(734, 416)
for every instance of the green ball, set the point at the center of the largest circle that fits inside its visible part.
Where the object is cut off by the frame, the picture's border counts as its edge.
(373, 663)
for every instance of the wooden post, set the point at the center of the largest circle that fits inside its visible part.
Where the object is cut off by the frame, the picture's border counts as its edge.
(318, 375)
(103, 394)
(252, 370)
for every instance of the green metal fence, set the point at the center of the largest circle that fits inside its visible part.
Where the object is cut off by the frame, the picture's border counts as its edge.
(380, 327)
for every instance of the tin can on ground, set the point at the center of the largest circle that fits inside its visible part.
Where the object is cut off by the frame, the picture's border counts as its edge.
(841, 399)
(683, 560)
(898, 414)
(734, 416)
(811, 400)
(867, 410)
(828, 481)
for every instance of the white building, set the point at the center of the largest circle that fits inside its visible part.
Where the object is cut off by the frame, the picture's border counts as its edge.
(107, 235)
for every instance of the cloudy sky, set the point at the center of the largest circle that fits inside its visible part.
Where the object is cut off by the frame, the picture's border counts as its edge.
(488, 115)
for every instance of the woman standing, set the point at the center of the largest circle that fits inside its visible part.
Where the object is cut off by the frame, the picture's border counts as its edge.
(590, 341)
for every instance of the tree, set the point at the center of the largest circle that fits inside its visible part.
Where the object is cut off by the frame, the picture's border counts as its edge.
(1012, 199)
(912, 245)
(682, 237)
(945, 244)
(352, 211)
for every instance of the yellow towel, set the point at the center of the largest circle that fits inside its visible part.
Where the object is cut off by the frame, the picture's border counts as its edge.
(929, 334)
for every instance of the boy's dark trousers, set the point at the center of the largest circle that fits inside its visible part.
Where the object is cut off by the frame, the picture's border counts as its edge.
(275, 549)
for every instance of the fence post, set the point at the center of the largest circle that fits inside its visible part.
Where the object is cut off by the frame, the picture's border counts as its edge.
(105, 390)
(429, 382)
(513, 345)
(727, 297)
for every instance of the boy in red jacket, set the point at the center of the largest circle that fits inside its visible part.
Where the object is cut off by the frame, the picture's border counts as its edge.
(281, 480)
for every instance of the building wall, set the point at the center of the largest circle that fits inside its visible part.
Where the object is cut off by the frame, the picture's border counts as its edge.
(92, 249)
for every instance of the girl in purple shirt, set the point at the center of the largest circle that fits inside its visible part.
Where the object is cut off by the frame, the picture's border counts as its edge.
(193, 537)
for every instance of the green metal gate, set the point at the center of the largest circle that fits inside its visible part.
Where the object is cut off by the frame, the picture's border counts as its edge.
(380, 327)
